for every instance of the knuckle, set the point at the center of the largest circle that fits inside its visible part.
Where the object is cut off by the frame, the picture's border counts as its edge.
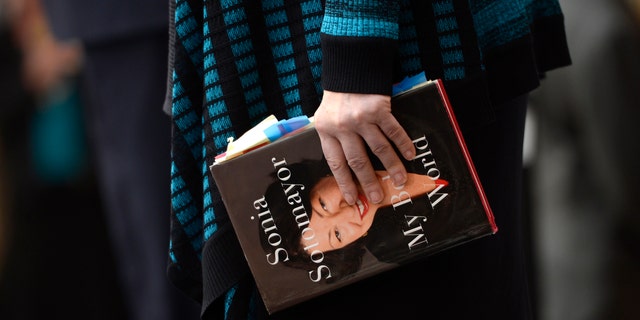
(358, 163)
(381, 149)
(358, 116)
(335, 165)
(320, 126)
(395, 133)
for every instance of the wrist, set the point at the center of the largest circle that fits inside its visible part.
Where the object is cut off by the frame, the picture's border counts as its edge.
(357, 65)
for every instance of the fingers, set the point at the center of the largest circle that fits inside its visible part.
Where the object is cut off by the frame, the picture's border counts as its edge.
(348, 154)
(396, 134)
(334, 155)
(347, 125)
(358, 161)
(380, 145)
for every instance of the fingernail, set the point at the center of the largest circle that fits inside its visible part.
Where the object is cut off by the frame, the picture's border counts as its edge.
(349, 199)
(398, 180)
(375, 197)
(408, 155)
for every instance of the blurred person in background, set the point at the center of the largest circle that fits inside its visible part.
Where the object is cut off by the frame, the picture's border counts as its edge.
(586, 174)
(48, 186)
(33, 66)
(123, 87)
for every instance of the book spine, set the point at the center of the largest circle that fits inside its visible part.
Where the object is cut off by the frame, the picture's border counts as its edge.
(467, 156)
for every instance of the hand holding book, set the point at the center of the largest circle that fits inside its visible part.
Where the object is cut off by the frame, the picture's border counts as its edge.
(347, 124)
(346, 121)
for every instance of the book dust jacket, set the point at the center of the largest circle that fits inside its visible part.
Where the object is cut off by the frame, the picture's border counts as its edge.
(301, 239)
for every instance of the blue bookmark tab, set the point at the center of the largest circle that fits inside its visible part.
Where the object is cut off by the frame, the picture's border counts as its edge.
(409, 82)
(277, 130)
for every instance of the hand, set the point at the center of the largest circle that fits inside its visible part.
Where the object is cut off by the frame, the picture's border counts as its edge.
(345, 122)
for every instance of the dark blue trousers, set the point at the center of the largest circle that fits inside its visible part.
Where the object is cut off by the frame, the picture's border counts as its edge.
(130, 135)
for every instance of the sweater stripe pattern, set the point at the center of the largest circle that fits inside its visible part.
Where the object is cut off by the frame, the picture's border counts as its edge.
(236, 62)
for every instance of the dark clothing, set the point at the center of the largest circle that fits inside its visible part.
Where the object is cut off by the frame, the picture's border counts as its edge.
(238, 62)
(129, 134)
(124, 84)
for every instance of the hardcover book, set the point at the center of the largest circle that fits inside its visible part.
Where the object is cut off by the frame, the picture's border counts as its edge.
(301, 239)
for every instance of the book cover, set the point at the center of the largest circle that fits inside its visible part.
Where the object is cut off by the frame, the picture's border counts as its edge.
(301, 239)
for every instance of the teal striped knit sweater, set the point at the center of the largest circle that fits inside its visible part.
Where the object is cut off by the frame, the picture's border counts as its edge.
(234, 62)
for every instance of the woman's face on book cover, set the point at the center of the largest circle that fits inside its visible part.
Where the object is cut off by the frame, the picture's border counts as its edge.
(334, 222)
(337, 224)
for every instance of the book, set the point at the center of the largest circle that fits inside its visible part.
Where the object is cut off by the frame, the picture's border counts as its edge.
(302, 240)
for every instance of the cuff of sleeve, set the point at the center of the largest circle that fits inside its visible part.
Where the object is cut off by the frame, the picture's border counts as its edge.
(357, 65)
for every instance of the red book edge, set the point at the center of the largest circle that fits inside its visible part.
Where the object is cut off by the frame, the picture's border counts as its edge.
(476, 179)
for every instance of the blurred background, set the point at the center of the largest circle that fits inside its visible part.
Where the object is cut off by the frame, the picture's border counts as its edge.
(55, 259)
(582, 174)
(583, 170)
